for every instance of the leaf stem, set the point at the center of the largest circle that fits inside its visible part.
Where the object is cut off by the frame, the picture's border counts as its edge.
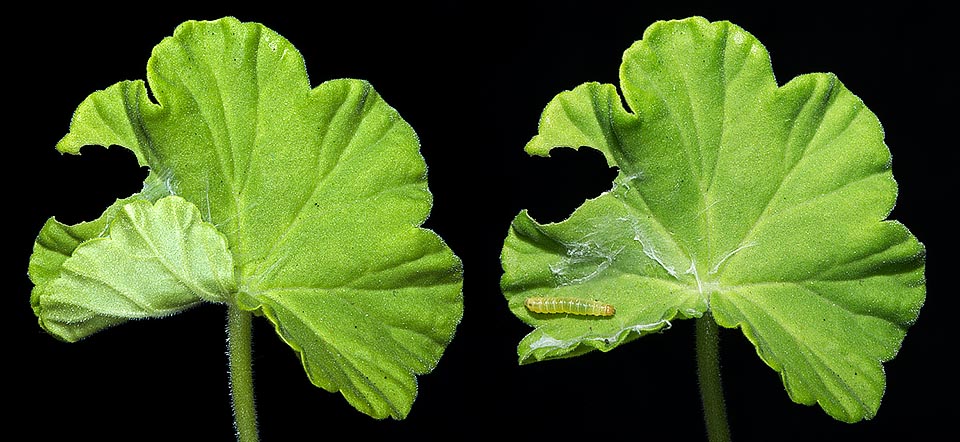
(708, 373)
(239, 344)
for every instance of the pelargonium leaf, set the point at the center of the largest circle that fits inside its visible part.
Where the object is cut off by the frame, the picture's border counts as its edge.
(763, 205)
(57, 241)
(153, 260)
(320, 193)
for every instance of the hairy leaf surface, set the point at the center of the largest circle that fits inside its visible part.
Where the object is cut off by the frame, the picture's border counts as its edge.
(151, 261)
(319, 193)
(763, 205)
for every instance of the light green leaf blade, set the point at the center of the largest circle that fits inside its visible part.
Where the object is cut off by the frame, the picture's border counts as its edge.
(152, 261)
(57, 241)
(320, 193)
(764, 205)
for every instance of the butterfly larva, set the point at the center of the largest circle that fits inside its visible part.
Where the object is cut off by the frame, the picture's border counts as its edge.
(573, 306)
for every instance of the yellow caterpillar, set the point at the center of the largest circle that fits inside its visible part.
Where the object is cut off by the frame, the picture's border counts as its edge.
(573, 306)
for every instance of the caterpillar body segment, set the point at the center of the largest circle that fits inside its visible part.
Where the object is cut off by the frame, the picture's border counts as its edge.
(573, 306)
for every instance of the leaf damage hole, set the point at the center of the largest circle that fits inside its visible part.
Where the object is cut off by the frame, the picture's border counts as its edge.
(556, 186)
(95, 180)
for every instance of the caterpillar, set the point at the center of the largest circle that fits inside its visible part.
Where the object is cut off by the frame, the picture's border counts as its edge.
(573, 306)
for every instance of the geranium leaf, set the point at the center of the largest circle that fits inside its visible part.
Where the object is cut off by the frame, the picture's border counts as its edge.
(763, 205)
(152, 261)
(319, 192)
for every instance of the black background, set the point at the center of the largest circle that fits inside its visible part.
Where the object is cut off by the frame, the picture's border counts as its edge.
(472, 82)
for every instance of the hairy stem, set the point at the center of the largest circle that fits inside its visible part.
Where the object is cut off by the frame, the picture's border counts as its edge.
(708, 373)
(239, 343)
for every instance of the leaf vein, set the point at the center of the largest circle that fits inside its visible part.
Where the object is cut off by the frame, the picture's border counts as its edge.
(817, 356)
(792, 170)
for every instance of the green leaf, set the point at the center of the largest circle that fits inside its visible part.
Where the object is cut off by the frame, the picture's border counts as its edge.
(763, 205)
(57, 241)
(319, 192)
(152, 261)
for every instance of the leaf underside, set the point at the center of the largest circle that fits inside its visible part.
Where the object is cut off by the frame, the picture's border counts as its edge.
(763, 205)
(318, 192)
(151, 261)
